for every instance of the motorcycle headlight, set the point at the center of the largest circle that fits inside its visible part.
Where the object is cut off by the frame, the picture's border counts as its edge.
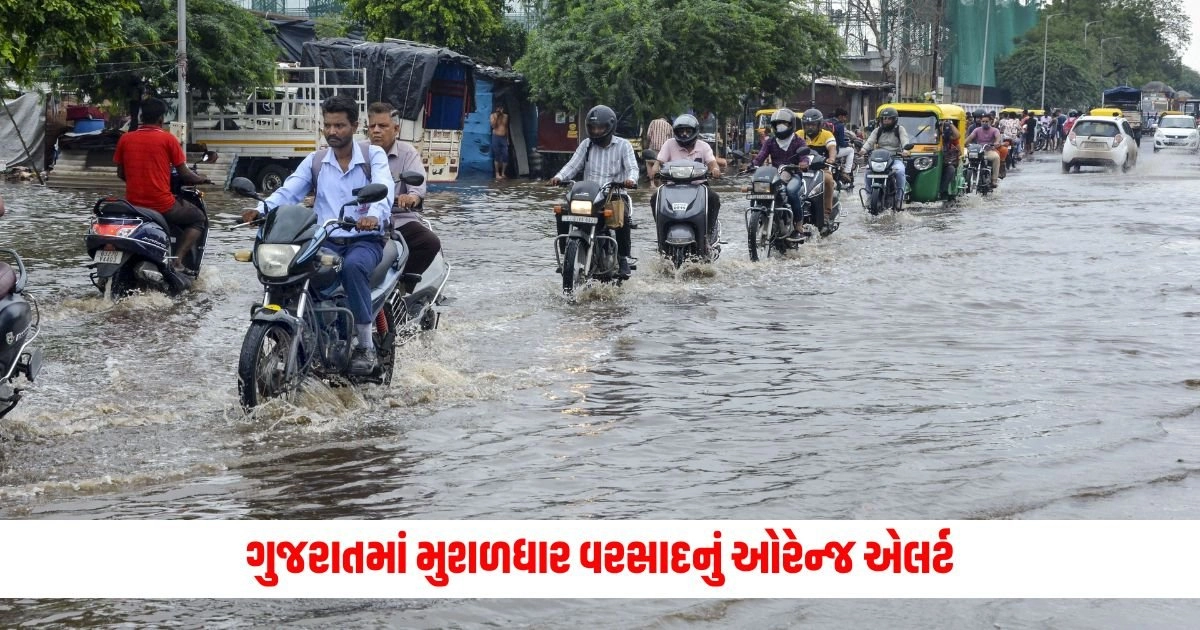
(923, 163)
(762, 187)
(273, 261)
(581, 206)
(878, 167)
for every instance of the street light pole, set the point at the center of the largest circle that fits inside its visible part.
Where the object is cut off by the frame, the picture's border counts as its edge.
(983, 62)
(181, 35)
(1045, 41)
(1085, 27)
(1106, 39)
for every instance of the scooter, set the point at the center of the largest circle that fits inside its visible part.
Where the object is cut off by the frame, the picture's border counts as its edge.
(589, 250)
(132, 248)
(303, 326)
(19, 320)
(681, 213)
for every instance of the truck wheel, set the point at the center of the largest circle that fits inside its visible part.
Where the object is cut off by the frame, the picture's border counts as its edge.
(271, 177)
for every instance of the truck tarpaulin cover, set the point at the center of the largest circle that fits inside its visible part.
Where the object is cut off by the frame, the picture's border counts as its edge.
(1123, 93)
(397, 72)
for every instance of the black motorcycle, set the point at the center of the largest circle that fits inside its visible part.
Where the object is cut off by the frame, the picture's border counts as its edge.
(589, 250)
(132, 248)
(19, 319)
(979, 169)
(681, 214)
(769, 217)
(880, 194)
(303, 326)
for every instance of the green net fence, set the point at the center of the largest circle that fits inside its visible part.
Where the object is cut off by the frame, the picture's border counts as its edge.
(982, 32)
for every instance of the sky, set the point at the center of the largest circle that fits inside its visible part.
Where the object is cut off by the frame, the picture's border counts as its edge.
(1191, 57)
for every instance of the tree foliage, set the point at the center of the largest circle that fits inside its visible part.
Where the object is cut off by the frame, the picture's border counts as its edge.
(73, 31)
(1071, 81)
(465, 26)
(228, 52)
(662, 56)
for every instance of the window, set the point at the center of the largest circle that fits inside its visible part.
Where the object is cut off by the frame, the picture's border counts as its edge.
(1101, 128)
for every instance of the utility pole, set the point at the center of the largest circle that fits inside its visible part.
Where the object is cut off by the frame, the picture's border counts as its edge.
(983, 62)
(1045, 41)
(181, 35)
(937, 39)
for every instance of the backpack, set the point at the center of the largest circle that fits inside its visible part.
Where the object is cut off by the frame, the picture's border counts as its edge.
(319, 157)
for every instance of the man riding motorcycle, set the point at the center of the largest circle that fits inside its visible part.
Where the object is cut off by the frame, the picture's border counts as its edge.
(784, 147)
(985, 133)
(845, 154)
(603, 158)
(686, 145)
(890, 135)
(815, 136)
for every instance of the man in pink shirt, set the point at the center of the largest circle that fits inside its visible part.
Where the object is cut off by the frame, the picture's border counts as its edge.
(686, 145)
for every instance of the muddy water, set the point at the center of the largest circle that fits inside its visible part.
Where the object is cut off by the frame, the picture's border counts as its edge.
(1028, 355)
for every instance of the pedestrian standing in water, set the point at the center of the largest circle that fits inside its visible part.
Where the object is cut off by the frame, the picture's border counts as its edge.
(500, 141)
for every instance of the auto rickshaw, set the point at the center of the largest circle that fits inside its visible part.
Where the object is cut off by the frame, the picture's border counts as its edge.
(925, 162)
(1107, 112)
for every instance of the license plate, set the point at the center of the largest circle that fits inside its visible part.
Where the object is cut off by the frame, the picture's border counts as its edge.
(1094, 145)
(571, 218)
(109, 257)
(440, 159)
(764, 196)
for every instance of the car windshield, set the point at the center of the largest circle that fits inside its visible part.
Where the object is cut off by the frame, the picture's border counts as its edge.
(1177, 122)
(922, 129)
(1095, 128)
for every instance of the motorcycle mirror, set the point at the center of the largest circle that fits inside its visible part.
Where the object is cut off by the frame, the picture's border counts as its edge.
(649, 154)
(909, 146)
(805, 151)
(412, 178)
(737, 154)
(244, 187)
(370, 193)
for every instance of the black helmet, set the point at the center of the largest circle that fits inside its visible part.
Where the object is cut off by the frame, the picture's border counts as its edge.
(686, 129)
(812, 117)
(888, 112)
(786, 117)
(979, 113)
(601, 122)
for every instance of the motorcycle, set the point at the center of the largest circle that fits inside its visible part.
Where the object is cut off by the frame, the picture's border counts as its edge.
(979, 170)
(589, 250)
(681, 216)
(132, 248)
(19, 325)
(882, 184)
(844, 174)
(769, 217)
(303, 326)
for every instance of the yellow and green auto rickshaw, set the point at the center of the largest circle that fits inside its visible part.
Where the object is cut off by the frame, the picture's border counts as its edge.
(925, 163)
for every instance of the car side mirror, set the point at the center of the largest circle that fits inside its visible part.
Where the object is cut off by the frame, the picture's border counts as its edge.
(370, 193)
(412, 178)
(244, 187)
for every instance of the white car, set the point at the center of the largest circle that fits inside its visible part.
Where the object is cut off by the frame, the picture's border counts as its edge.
(1100, 141)
(1177, 132)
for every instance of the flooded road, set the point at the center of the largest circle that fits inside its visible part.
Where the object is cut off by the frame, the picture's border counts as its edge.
(1029, 355)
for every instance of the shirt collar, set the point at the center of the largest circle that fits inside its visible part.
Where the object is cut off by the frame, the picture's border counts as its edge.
(356, 156)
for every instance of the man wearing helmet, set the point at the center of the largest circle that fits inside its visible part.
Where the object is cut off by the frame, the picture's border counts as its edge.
(816, 136)
(686, 145)
(890, 135)
(785, 147)
(603, 158)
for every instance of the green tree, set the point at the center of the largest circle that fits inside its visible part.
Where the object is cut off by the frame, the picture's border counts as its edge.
(661, 56)
(1072, 82)
(465, 26)
(73, 32)
(228, 52)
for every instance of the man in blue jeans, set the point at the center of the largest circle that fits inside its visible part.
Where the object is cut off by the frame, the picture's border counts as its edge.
(342, 168)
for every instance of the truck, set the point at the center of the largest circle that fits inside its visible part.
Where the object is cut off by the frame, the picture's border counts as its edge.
(270, 131)
(1129, 100)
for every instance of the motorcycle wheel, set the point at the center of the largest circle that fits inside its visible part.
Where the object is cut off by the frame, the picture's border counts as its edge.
(752, 229)
(385, 346)
(262, 363)
(571, 268)
(876, 205)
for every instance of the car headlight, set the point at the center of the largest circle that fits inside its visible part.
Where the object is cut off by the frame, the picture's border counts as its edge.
(581, 206)
(923, 163)
(762, 187)
(273, 260)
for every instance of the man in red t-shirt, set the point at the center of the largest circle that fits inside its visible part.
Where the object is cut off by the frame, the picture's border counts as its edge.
(144, 159)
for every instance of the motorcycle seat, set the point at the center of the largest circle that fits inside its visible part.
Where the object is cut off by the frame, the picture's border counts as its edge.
(8, 280)
(391, 251)
(122, 208)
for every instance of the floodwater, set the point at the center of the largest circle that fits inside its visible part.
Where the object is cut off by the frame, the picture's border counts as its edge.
(1026, 356)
